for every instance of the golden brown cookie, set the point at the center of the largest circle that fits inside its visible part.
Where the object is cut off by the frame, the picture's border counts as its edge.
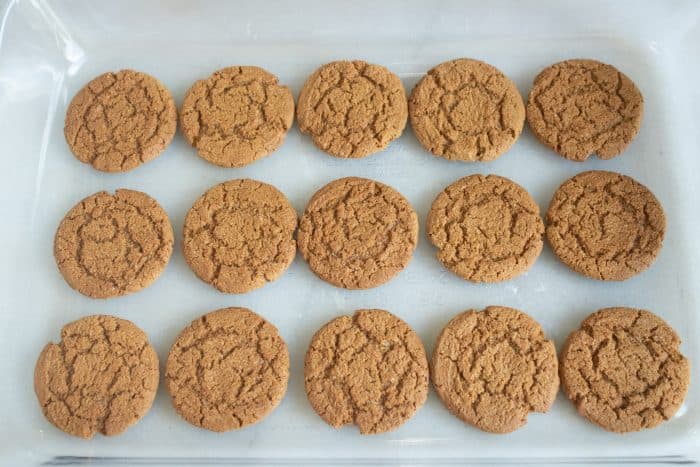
(368, 369)
(491, 368)
(239, 235)
(101, 378)
(112, 245)
(605, 225)
(120, 120)
(236, 116)
(623, 369)
(227, 369)
(486, 228)
(583, 107)
(352, 109)
(357, 233)
(466, 110)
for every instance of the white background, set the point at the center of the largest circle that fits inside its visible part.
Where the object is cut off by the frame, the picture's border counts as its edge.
(47, 52)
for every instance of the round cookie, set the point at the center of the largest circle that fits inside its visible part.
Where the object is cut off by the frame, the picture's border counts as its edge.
(466, 110)
(352, 109)
(623, 369)
(101, 378)
(120, 120)
(486, 228)
(112, 245)
(368, 369)
(492, 368)
(227, 369)
(237, 115)
(239, 235)
(605, 225)
(583, 107)
(357, 233)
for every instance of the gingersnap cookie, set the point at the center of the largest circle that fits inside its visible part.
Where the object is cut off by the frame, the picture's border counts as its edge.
(466, 110)
(357, 233)
(227, 369)
(120, 120)
(112, 245)
(491, 368)
(236, 116)
(368, 369)
(352, 109)
(486, 228)
(583, 107)
(239, 235)
(623, 369)
(101, 377)
(605, 225)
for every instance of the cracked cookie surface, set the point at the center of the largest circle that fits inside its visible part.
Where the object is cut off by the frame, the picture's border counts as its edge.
(368, 369)
(605, 225)
(112, 245)
(239, 235)
(486, 228)
(492, 368)
(623, 369)
(101, 377)
(236, 116)
(583, 107)
(227, 369)
(466, 110)
(352, 109)
(357, 233)
(120, 120)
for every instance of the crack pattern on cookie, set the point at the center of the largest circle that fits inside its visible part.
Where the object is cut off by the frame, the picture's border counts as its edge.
(352, 109)
(236, 116)
(227, 369)
(624, 371)
(368, 369)
(357, 233)
(584, 107)
(492, 368)
(112, 245)
(101, 377)
(486, 228)
(605, 225)
(240, 235)
(466, 110)
(120, 120)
